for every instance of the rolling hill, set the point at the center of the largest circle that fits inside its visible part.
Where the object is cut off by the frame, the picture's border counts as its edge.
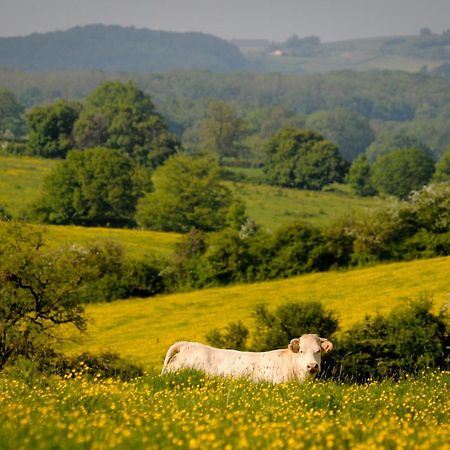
(115, 48)
(143, 329)
(22, 179)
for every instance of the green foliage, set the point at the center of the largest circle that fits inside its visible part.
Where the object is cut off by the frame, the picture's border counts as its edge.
(120, 116)
(222, 131)
(91, 187)
(359, 177)
(390, 140)
(119, 277)
(188, 192)
(349, 130)
(291, 320)
(402, 171)
(50, 128)
(104, 365)
(303, 159)
(443, 167)
(406, 341)
(112, 48)
(38, 290)
(11, 112)
(233, 337)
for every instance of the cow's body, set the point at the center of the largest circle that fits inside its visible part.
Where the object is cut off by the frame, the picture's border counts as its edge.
(300, 361)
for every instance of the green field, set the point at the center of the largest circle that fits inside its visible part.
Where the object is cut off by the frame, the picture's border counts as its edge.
(143, 329)
(189, 412)
(136, 243)
(21, 180)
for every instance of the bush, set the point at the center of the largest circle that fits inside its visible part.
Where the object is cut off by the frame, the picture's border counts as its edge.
(405, 341)
(290, 320)
(233, 337)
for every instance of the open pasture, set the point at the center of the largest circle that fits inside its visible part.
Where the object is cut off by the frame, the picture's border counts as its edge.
(136, 243)
(143, 329)
(21, 179)
(187, 411)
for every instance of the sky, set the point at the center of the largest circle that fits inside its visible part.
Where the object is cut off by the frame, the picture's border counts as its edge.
(276, 20)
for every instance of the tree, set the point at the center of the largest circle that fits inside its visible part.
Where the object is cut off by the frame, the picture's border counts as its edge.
(188, 193)
(402, 171)
(120, 116)
(223, 130)
(303, 159)
(388, 141)
(359, 177)
(11, 112)
(349, 130)
(291, 320)
(38, 290)
(443, 167)
(50, 128)
(93, 187)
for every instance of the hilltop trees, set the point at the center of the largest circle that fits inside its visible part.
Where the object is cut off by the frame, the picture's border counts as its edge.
(120, 116)
(443, 167)
(50, 128)
(188, 193)
(93, 187)
(303, 159)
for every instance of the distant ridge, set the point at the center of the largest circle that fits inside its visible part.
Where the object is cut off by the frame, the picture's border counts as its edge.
(119, 49)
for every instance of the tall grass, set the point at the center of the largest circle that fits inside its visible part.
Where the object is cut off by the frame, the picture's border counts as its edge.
(189, 411)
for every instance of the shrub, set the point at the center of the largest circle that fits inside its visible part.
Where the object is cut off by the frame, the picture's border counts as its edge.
(290, 320)
(405, 341)
(233, 337)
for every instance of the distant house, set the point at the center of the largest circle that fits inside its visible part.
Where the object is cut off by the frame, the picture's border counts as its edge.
(279, 52)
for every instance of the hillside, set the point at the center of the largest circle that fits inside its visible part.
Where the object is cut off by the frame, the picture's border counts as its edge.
(22, 179)
(307, 55)
(143, 329)
(114, 48)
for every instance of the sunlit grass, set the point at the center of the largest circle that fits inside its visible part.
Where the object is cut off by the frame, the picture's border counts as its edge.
(188, 411)
(21, 179)
(136, 243)
(143, 329)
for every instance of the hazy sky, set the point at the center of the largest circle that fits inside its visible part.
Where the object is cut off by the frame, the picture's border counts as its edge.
(331, 20)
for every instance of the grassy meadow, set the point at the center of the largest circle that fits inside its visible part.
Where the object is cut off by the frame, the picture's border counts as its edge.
(187, 411)
(143, 329)
(21, 179)
(136, 243)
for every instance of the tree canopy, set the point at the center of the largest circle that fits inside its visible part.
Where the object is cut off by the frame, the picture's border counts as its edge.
(188, 193)
(349, 130)
(11, 112)
(120, 116)
(93, 187)
(303, 159)
(402, 171)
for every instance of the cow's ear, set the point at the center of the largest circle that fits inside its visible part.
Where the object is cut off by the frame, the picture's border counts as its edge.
(294, 345)
(326, 345)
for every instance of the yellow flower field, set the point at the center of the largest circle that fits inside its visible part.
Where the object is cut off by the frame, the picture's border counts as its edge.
(187, 411)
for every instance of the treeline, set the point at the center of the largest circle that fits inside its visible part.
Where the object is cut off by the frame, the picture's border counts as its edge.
(354, 110)
(114, 48)
(403, 231)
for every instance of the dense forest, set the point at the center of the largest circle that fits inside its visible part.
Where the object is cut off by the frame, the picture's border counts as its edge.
(114, 48)
(356, 110)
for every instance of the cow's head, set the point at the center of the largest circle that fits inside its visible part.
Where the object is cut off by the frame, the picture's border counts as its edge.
(308, 349)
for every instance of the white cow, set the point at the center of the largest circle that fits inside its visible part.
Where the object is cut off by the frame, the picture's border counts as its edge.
(300, 361)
